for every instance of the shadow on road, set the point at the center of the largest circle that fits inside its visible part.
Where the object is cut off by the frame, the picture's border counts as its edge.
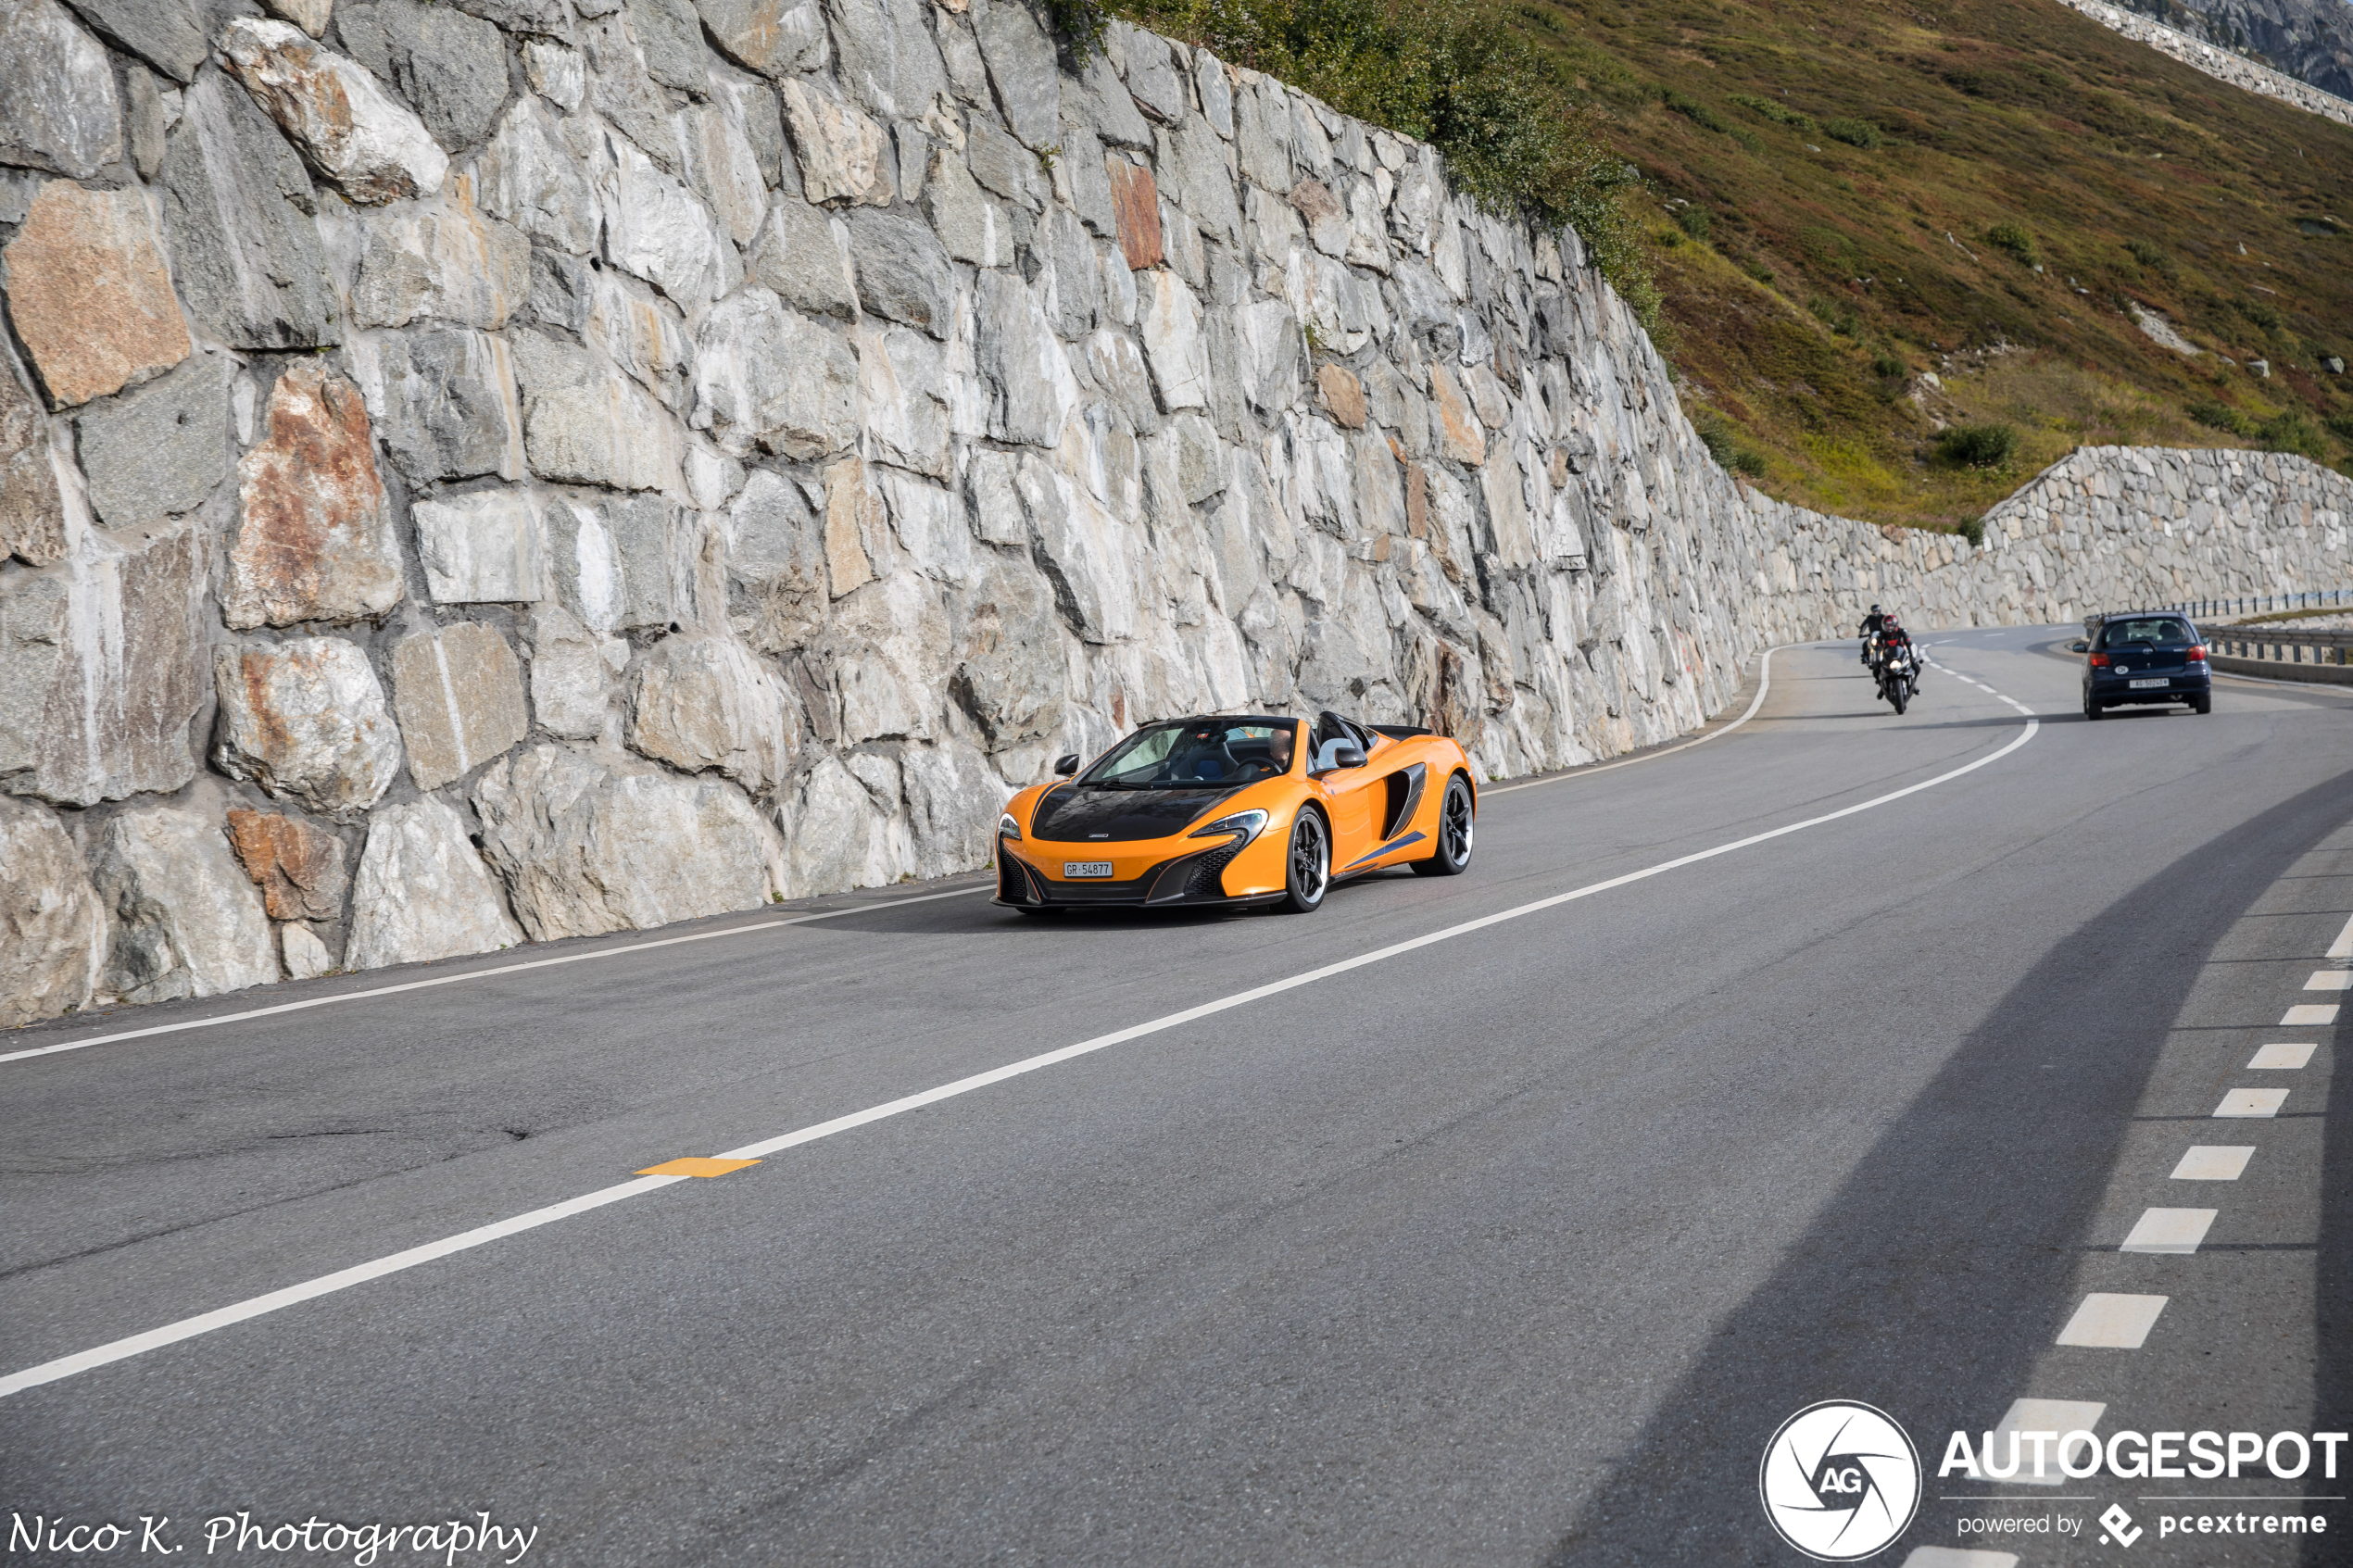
(1942, 1267)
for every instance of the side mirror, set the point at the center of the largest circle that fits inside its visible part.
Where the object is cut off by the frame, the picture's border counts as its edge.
(2079, 646)
(1347, 757)
(1066, 766)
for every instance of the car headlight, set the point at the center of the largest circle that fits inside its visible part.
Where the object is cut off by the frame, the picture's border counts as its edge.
(1007, 827)
(1246, 824)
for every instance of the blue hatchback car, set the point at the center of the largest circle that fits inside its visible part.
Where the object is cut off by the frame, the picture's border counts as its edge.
(2152, 655)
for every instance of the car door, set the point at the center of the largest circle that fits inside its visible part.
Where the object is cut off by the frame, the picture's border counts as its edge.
(1354, 797)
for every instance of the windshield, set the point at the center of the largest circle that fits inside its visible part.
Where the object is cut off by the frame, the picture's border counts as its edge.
(2155, 631)
(1197, 754)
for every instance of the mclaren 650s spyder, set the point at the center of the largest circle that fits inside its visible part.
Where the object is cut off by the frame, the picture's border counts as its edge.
(1237, 810)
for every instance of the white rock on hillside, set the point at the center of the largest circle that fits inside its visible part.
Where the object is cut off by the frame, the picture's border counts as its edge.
(306, 720)
(708, 702)
(348, 128)
(187, 920)
(423, 892)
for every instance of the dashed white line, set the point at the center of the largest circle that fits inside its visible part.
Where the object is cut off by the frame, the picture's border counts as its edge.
(2343, 946)
(2213, 1162)
(2058, 1417)
(2329, 980)
(49, 1372)
(2169, 1230)
(2310, 1012)
(2109, 1321)
(2285, 1058)
(2251, 1103)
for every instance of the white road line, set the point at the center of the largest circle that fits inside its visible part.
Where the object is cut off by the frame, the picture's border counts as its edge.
(2251, 1103)
(2109, 1321)
(2169, 1230)
(2213, 1162)
(49, 1372)
(2288, 1058)
(2343, 946)
(2056, 1416)
(2329, 980)
(1958, 1556)
(2310, 1012)
(1764, 685)
(482, 973)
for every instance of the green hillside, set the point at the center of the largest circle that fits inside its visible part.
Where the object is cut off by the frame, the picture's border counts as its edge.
(1839, 197)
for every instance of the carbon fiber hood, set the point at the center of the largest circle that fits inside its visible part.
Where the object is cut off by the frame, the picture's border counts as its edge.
(1076, 814)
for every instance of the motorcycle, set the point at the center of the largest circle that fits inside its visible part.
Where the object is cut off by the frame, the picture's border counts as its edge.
(1898, 670)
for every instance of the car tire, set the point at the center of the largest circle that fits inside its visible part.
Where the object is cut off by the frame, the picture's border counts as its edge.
(1457, 828)
(2091, 708)
(2204, 703)
(1307, 864)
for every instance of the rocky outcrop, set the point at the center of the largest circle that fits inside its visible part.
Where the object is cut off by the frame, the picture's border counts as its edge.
(722, 450)
(2310, 38)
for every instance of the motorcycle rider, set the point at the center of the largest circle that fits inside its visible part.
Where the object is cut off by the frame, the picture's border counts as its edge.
(1871, 626)
(1892, 636)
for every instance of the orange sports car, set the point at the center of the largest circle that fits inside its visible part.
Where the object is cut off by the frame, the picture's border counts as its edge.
(1237, 810)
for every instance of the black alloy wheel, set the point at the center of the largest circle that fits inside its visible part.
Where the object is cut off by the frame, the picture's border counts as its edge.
(1309, 874)
(1457, 825)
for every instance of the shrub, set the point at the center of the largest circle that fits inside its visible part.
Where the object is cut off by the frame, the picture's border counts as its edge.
(1717, 440)
(2150, 257)
(2293, 430)
(1694, 221)
(1516, 136)
(1889, 366)
(1750, 461)
(1973, 529)
(1854, 133)
(1780, 114)
(2340, 426)
(1977, 446)
(1691, 108)
(2263, 315)
(2011, 238)
(1839, 317)
(2223, 417)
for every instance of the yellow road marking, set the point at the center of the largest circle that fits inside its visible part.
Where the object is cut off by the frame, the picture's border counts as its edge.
(696, 1165)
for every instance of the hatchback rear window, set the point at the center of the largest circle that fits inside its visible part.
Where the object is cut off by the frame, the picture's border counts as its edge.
(2151, 631)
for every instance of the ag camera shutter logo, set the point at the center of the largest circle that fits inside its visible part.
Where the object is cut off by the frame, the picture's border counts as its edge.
(1840, 1481)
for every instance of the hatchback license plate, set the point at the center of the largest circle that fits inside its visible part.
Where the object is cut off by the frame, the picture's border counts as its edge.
(1085, 868)
(2143, 685)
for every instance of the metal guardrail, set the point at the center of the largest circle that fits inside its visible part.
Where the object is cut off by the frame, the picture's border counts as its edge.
(2278, 644)
(2264, 604)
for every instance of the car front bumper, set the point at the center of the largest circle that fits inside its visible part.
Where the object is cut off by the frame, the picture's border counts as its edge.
(1168, 874)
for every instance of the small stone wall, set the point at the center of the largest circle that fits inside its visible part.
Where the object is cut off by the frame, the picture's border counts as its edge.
(2220, 64)
(525, 468)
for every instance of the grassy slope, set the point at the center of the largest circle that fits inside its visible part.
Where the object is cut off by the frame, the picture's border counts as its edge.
(1828, 280)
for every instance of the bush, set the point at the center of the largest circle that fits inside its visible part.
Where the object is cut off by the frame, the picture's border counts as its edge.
(1854, 133)
(1780, 114)
(2293, 430)
(2011, 238)
(1725, 448)
(1516, 138)
(1977, 446)
(2340, 426)
(1973, 529)
(2150, 257)
(1750, 461)
(2223, 417)
(2263, 315)
(1694, 221)
(1717, 440)
(1888, 367)
(1691, 108)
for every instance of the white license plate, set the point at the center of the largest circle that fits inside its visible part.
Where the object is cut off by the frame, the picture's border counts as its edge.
(1085, 868)
(2160, 681)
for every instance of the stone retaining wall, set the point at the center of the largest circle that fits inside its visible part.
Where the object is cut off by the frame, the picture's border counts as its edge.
(534, 468)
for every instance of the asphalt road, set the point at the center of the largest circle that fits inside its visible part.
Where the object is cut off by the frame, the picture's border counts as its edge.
(1515, 1247)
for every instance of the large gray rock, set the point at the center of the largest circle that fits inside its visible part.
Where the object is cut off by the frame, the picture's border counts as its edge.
(973, 228)
(238, 214)
(585, 424)
(953, 801)
(1153, 76)
(58, 109)
(440, 260)
(445, 402)
(1173, 345)
(484, 548)
(775, 565)
(33, 507)
(842, 153)
(902, 271)
(1073, 294)
(773, 37)
(624, 92)
(1005, 166)
(102, 669)
(529, 177)
(451, 68)
(590, 845)
(88, 293)
(708, 704)
(902, 392)
(572, 673)
(613, 561)
(886, 57)
(800, 258)
(314, 532)
(770, 377)
(168, 34)
(670, 34)
(1031, 390)
(457, 691)
(423, 892)
(723, 168)
(53, 928)
(639, 330)
(305, 720)
(187, 921)
(1009, 674)
(658, 229)
(1022, 69)
(844, 835)
(349, 129)
(158, 451)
